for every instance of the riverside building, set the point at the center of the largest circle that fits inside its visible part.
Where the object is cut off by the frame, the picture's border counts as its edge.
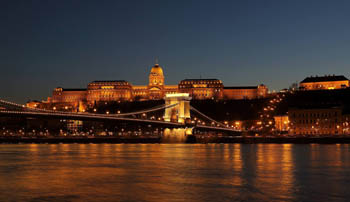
(320, 121)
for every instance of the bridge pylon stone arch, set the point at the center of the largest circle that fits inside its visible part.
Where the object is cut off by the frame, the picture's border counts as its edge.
(181, 111)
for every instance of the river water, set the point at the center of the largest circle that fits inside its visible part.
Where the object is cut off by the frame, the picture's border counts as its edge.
(174, 172)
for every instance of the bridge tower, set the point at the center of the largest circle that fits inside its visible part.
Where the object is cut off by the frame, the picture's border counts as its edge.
(181, 111)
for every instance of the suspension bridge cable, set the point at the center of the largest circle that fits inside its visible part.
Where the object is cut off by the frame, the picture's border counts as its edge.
(61, 112)
(146, 111)
(212, 120)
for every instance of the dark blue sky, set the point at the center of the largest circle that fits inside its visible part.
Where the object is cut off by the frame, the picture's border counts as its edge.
(45, 44)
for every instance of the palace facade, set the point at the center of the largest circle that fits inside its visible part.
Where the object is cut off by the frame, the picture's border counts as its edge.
(121, 90)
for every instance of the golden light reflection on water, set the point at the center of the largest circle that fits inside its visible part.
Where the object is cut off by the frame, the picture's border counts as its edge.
(173, 172)
(274, 170)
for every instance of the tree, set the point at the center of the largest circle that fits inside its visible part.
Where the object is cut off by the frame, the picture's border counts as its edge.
(294, 86)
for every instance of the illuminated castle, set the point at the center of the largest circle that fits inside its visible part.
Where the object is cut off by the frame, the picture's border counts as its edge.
(121, 90)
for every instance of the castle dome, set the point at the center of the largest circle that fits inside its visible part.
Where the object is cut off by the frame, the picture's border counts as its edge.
(157, 70)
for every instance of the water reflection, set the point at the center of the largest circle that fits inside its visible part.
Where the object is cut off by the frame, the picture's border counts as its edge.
(176, 135)
(174, 172)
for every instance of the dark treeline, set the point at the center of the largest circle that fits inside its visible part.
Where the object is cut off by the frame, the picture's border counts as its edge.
(230, 109)
(315, 99)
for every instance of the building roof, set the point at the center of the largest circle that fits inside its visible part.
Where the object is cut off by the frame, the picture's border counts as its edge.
(73, 89)
(315, 107)
(324, 78)
(201, 80)
(241, 87)
(109, 81)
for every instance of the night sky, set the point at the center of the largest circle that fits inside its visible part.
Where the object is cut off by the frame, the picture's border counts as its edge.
(46, 44)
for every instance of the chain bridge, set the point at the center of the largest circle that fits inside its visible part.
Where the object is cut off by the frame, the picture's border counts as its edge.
(177, 114)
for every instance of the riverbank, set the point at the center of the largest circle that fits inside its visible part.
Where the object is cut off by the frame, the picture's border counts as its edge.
(277, 140)
(79, 140)
(190, 139)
